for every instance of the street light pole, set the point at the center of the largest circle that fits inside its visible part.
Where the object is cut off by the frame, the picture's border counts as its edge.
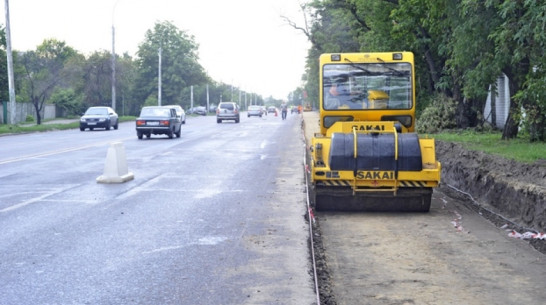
(159, 79)
(113, 68)
(114, 58)
(11, 82)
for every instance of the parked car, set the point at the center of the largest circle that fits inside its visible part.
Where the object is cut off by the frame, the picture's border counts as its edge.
(271, 109)
(99, 117)
(158, 120)
(201, 110)
(254, 110)
(179, 112)
(227, 111)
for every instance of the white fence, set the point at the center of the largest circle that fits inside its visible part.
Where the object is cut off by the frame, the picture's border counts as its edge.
(22, 110)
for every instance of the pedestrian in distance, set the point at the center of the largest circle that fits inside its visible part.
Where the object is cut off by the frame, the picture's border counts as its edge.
(284, 109)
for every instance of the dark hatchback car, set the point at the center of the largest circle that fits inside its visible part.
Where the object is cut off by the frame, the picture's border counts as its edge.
(99, 117)
(158, 120)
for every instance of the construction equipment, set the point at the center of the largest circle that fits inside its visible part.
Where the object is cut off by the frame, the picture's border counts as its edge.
(367, 156)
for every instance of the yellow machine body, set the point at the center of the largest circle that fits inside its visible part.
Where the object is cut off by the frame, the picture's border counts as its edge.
(367, 156)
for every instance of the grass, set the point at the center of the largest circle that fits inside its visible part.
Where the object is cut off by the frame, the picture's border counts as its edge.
(519, 149)
(30, 127)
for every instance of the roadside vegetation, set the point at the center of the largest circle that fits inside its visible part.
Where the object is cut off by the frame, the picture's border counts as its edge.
(47, 126)
(461, 49)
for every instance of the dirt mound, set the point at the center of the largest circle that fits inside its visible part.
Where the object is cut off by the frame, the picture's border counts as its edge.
(514, 190)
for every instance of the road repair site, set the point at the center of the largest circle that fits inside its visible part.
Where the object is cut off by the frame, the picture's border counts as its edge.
(463, 251)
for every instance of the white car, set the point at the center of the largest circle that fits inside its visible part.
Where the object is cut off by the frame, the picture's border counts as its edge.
(179, 112)
(254, 111)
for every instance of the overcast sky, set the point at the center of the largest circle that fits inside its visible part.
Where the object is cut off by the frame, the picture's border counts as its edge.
(241, 42)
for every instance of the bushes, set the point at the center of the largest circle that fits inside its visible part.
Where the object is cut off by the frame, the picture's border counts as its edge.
(439, 115)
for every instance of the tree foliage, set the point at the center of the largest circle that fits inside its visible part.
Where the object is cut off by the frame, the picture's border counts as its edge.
(44, 72)
(179, 65)
(4, 94)
(461, 48)
(56, 73)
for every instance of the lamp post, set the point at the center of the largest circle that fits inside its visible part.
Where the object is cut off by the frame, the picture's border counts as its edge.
(114, 58)
(159, 77)
(11, 82)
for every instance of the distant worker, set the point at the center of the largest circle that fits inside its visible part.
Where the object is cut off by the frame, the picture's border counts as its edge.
(300, 108)
(284, 109)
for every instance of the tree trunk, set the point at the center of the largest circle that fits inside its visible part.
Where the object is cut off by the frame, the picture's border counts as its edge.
(38, 115)
(494, 107)
(510, 130)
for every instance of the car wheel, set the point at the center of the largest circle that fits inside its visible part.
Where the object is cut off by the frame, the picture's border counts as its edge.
(82, 129)
(218, 121)
(108, 126)
(178, 133)
(170, 134)
(148, 135)
(116, 126)
(139, 135)
(237, 120)
(91, 128)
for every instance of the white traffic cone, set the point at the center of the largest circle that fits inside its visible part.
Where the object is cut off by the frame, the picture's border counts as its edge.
(115, 168)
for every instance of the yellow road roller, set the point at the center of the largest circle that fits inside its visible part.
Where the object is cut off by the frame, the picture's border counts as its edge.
(367, 156)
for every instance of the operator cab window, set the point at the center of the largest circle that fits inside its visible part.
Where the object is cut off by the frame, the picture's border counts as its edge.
(367, 86)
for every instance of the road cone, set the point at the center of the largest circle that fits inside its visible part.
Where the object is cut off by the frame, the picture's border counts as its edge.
(115, 168)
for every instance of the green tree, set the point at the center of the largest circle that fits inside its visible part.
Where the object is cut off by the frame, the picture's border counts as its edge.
(520, 42)
(125, 81)
(44, 72)
(4, 90)
(67, 100)
(180, 67)
(97, 79)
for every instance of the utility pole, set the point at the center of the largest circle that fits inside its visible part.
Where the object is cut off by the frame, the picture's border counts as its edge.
(191, 97)
(11, 82)
(159, 79)
(114, 58)
(113, 68)
(207, 97)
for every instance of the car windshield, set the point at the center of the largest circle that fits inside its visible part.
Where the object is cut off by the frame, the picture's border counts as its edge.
(159, 112)
(367, 86)
(226, 106)
(97, 111)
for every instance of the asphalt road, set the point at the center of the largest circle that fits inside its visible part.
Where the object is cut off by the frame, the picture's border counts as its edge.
(214, 217)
